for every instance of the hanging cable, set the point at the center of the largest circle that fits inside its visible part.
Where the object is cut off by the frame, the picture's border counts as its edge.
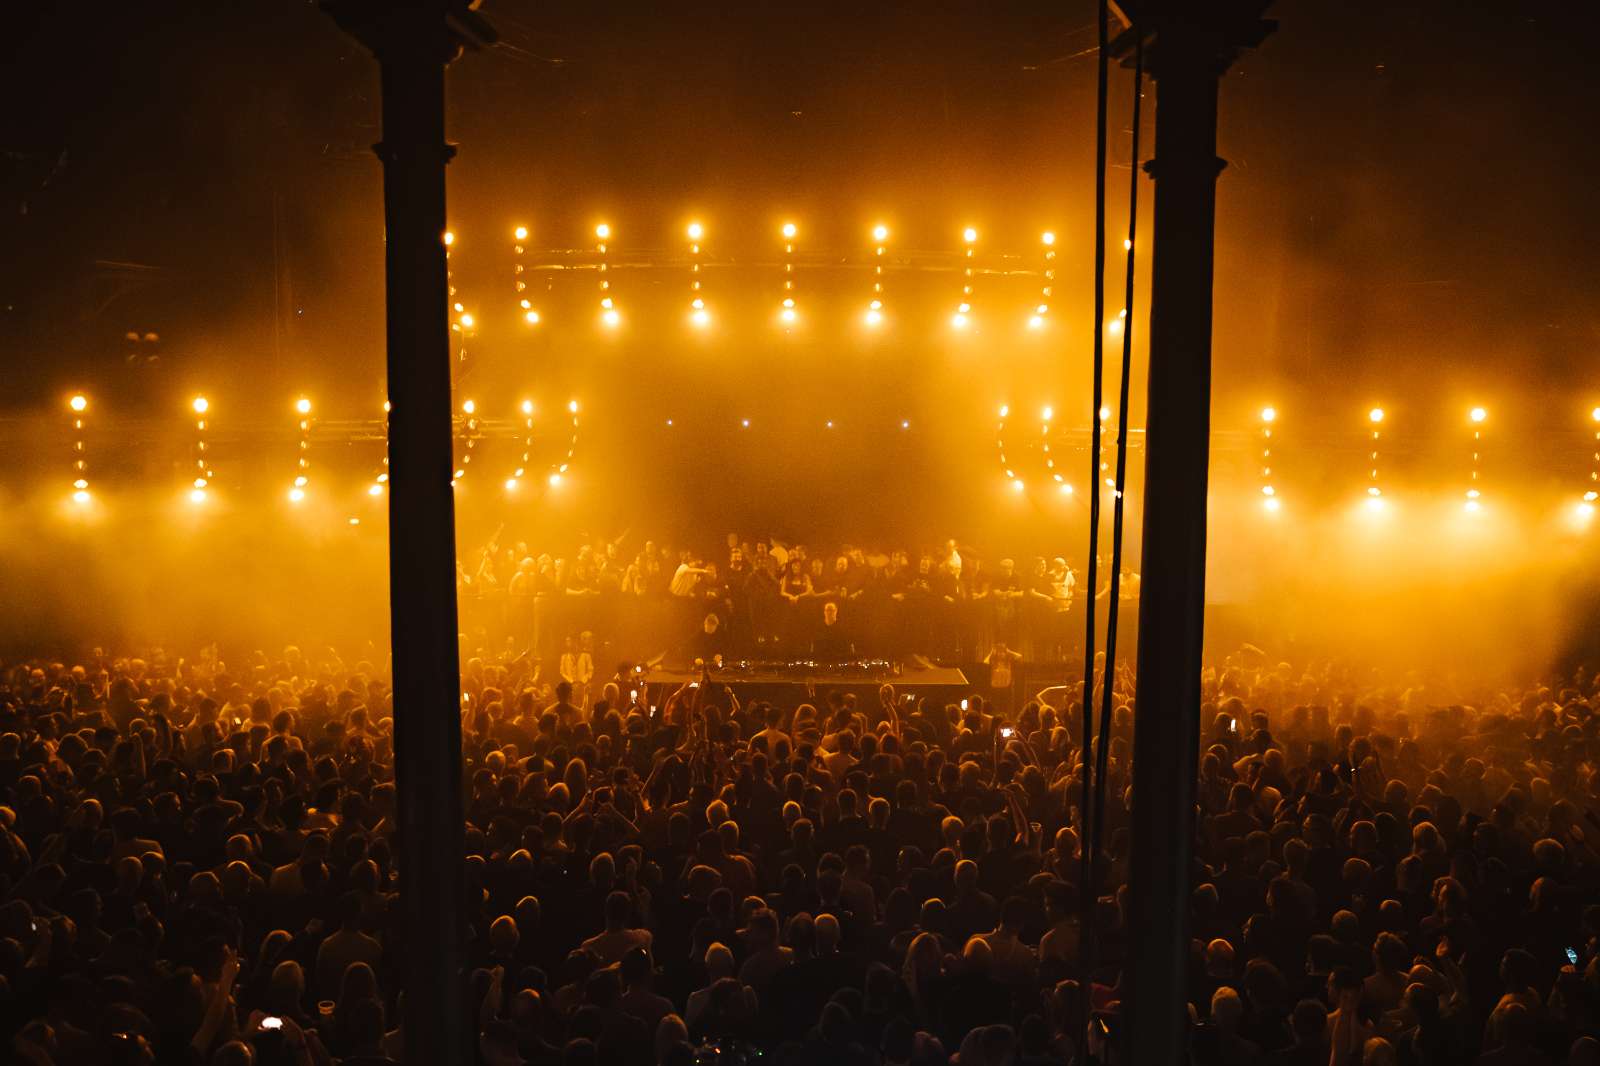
(1102, 756)
(1086, 888)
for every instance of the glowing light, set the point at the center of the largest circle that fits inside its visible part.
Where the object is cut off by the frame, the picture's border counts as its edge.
(303, 405)
(511, 484)
(374, 490)
(611, 318)
(1595, 414)
(197, 496)
(387, 407)
(467, 321)
(469, 407)
(79, 402)
(81, 483)
(905, 424)
(1585, 510)
(1047, 238)
(555, 480)
(873, 317)
(572, 406)
(81, 496)
(789, 230)
(520, 233)
(449, 238)
(200, 405)
(603, 231)
(1066, 490)
(1374, 491)
(701, 317)
(200, 482)
(527, 407)
(354, 521)
(745, 422)
(531, 318)
(1268, 490)
(1036, 322)
(969, 235)
(1005, 410)
(788, 314)
(1017, 485)
(880, 232)
(1127, 245)
(696, 231)
(1105, 413)
(958, 321)
(1471, 506)
(1271, 503)
(1269, 414)
(1374, 503)
(1048, 413)
(1472, 494)
(1375, 415)
(1114, 327)
(1478, 414)
(296, 494)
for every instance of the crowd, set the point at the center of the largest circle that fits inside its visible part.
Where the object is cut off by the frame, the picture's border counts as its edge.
(764, 599)
(198, 866)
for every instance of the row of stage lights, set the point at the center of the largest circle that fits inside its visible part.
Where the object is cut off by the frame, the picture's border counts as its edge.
(1271, 500)
(699, 313)
(469, 430)
(299, 486)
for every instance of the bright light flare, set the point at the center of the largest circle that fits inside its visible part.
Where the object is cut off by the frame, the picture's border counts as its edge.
(296, 494)
(467, 321)
(1047, 238)
(1375, 415)
(788, 314)
(789, 230)
(1066, 490)
(374, 490)
(527, 407)
(201, 405)
(880, 232)
(1036, 322)
(511, 484)
(611, 318)
(79, 402)
(555, 480)
(449, 238)
(696, 231)
(958, 320)
(1269, 414)
(81, 496)
(873, 318)
(969, 235)
(603, 231)
(1017, 485)
(469, 407)
(572, 406)
(701, 318)
(197, 496)
(531, 317)
(303, 405)
(1272, 504)
(1478, 414)
(520, 233)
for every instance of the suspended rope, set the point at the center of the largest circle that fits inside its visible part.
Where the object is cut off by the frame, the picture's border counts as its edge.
(1113, 598)
(1086, 889)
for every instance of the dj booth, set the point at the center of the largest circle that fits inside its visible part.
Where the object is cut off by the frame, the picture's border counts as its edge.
(771, 680)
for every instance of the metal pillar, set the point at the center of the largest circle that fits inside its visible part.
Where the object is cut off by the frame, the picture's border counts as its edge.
(413, 43)
(1192, 45)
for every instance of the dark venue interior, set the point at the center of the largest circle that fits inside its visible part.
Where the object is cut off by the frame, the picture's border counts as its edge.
(665, 534)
